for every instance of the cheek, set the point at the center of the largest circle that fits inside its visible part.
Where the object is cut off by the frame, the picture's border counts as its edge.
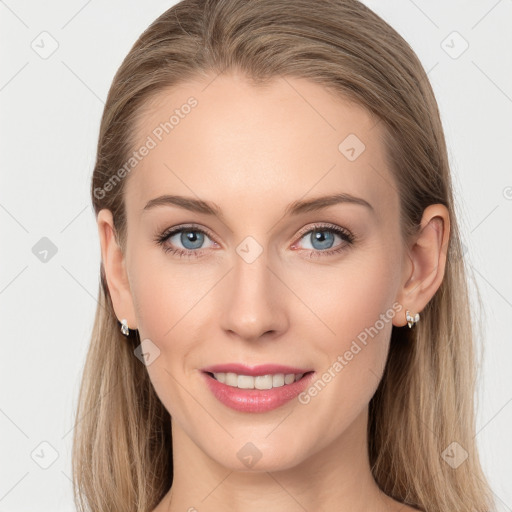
(170, 300)
(352, 296)
(165, 293)
(355, 306)
(355, 303)
(166, 297)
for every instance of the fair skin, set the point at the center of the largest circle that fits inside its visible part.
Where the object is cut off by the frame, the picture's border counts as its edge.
(252, 152)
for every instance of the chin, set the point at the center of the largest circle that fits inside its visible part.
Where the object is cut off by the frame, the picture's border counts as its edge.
(257, 457)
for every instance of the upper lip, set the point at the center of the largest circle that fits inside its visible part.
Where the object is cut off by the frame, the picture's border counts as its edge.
(254, 371)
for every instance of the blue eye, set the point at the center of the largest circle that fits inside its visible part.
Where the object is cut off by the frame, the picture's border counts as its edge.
(325, 242)
(191, 238)
(322, 238)
(195, 238)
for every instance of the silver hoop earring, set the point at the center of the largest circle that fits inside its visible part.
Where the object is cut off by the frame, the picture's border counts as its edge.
(124, 327)
(411, 320)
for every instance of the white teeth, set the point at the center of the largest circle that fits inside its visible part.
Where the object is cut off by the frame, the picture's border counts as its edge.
(231, 379)
(260, 382)
(263, 382)
(288, 379)
(278, 380)
(245, 382)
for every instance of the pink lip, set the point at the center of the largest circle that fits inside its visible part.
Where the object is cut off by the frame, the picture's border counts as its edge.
(254, 371)
(256, 400)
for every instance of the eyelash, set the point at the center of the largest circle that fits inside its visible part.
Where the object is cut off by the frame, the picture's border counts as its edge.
(346, 235)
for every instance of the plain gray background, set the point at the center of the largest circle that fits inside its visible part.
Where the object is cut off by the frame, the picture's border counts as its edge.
(50, 111)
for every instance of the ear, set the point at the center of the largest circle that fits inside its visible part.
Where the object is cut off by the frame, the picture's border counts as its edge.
(115, 269)
(424, 273)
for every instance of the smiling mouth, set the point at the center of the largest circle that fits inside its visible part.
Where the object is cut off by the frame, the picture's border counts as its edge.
(269, 381)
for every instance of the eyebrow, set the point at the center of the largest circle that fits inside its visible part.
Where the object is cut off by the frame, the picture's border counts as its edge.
(295, 208)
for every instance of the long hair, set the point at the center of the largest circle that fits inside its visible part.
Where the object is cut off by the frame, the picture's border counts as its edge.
(423, 410)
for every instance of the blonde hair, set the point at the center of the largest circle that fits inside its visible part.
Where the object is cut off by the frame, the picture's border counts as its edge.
(122, 452)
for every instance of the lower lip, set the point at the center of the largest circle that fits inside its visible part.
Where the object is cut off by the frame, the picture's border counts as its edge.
(256, 400)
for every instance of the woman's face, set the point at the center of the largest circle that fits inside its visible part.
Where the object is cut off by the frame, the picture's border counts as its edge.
(251, 282)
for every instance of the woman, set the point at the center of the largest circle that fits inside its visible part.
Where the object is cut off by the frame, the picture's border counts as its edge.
(283, 319)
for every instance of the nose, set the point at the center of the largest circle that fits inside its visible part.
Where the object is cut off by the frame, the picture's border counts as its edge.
(254, 303)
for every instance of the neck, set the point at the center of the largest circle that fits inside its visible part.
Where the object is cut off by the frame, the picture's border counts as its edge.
(337, 477)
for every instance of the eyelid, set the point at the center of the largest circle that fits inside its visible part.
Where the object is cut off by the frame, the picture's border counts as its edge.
(347, 236)
(161, 239)
(300, 234)
(182, 227)
(321, 225)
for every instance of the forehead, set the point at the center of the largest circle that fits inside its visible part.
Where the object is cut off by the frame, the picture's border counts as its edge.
(222, 138)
